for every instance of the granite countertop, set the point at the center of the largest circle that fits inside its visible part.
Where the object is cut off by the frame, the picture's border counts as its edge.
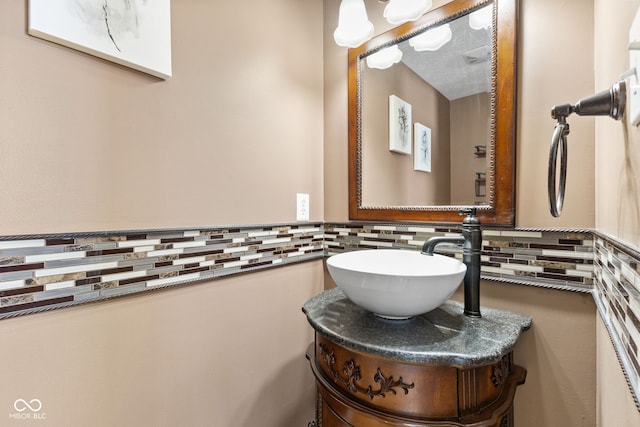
(442, 336)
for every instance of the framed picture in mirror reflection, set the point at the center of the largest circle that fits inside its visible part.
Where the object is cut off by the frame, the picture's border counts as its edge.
(422, 148)
(399, 125)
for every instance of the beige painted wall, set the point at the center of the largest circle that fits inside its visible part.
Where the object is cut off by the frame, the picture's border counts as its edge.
(614, 407)
(86, 145)
(229, 139)
(617, 152)
(617, 162)
(229, 353)
(555, 62)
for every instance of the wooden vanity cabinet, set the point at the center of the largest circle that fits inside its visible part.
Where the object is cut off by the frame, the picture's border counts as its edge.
(363, 390)
(441, 368)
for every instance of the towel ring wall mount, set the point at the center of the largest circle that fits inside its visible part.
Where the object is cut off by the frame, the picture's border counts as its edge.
(610, 103)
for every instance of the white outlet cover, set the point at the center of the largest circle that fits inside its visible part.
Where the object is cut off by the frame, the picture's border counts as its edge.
(302, 207)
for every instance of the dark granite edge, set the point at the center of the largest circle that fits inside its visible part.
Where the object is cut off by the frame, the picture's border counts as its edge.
(517, 324)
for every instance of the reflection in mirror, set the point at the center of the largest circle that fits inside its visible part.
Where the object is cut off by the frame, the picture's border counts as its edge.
(434, 122)
(445, 75)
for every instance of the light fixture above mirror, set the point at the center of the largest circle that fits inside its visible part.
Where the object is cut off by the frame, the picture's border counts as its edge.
(354, 27)
(385, 58)
(432, 39)
(400, 11)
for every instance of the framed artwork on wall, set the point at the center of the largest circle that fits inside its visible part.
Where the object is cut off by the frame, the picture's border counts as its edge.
(422, 149)
(133, 33)
(399, 125)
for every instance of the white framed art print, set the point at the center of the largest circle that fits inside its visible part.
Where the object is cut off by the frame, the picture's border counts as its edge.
(399, 125)
(422, 148)
(133, 33)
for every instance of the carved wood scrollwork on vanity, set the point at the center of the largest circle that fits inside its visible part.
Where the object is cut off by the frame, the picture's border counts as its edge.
(352, 372)
(501, 371)
(436, 395)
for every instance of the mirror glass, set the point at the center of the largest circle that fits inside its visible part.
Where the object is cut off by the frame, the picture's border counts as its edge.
(432, 130)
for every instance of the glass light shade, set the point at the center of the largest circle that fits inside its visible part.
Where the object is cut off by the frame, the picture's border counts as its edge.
(432, 39)
(481, 18)
(354, 27)
(401, 11)
(385, 58)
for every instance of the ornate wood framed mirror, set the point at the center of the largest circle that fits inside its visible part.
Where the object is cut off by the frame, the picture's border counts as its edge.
(436, 131)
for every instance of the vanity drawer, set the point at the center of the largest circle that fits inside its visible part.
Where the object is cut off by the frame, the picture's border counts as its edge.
(354, 386)
(404, 389)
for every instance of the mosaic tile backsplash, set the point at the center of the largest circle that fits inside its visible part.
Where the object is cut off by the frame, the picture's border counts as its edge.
(52, 271)
(617, 295)
(556, 259)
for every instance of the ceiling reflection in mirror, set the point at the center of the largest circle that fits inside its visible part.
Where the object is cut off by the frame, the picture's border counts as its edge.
(444, 76)
(425, 134)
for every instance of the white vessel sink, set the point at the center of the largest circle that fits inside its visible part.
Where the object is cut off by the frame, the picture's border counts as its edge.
(396, 284)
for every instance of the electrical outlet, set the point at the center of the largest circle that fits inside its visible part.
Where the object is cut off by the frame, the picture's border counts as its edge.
(302, 207)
